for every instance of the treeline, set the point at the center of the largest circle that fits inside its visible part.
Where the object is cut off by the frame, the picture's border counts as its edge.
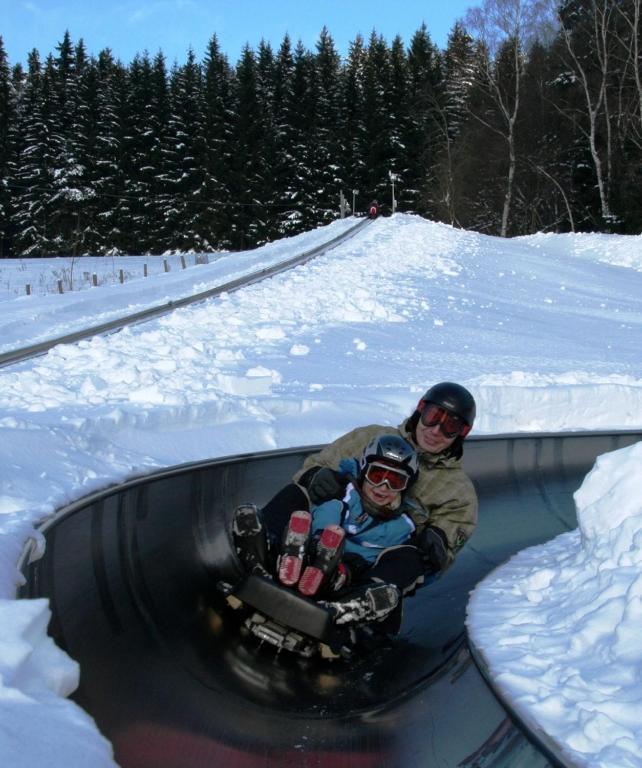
(527, 121)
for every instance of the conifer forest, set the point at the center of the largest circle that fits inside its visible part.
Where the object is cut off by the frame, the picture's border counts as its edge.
(530, 119)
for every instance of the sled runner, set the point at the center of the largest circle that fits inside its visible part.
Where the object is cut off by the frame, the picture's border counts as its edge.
(285, 619)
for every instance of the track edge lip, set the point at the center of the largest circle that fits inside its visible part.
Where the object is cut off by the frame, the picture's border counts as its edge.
(552, 749)
(31, 551)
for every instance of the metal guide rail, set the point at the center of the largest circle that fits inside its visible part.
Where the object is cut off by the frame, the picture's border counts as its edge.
(34, 350)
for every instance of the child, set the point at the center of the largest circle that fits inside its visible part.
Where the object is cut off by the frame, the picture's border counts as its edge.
(340, 540)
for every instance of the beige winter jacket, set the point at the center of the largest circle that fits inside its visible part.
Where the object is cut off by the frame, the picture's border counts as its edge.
(444, 495)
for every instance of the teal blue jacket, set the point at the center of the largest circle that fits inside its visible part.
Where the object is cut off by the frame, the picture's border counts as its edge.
(366, 536)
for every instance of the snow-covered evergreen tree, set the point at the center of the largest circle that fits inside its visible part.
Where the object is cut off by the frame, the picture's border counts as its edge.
(286, 190)
(247, 164)
(38, 152)
(8, 117)
(146, 202)
(185, 161)
(216, 216)
(326, 143)
(378, 124)
(303, 112)
(421, 139)
(351, 122)
(110, 84)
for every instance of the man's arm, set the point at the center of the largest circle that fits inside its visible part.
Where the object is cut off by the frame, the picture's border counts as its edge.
(320, 476)
(445, 520)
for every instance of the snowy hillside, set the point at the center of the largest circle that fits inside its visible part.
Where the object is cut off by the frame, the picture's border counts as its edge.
(546, 331)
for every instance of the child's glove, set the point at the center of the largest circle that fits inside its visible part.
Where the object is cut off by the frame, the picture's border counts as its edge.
(326, 484)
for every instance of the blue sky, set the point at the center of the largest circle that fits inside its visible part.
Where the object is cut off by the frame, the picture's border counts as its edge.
(132, 26)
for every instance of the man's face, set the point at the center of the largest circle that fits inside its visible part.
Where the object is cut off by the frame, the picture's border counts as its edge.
(432, 439)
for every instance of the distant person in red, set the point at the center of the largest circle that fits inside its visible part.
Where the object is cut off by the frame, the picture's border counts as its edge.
(373, 209)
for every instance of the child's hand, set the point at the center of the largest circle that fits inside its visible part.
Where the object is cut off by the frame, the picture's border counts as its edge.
(326, 484)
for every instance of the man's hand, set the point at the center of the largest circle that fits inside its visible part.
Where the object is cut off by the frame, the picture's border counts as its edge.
(326, 484)
(433, 545)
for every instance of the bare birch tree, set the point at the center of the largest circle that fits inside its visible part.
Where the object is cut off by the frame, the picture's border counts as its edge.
(589, 47)
(508, 26)
(631, 14)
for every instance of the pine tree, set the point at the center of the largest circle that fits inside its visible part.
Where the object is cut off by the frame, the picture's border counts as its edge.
(8, 116)
(110, 83)
(216, 216)
(286, 189)
(247, 163)
(86, 141)
(265, 210)
(146, 200)
(327, 140)
(398, 105)
(186, 161)
(480, 153)
(451, 116)
(377, 139)
(303, 111)
(37, 154)
(421, 140)
(69, 188)
(351, 122)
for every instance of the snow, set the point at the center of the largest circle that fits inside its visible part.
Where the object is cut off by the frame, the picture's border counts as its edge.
(560, 623)
(546, 331)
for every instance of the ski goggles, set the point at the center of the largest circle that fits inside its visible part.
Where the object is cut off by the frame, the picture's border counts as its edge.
(378, 474)
(450, 425)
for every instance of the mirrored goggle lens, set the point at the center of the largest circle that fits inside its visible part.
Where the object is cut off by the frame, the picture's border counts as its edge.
(378, 474)
(449, 424)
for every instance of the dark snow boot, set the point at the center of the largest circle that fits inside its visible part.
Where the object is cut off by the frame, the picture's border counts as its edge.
(373, 602)
(250, 539)
(293, 550)
(327, 555)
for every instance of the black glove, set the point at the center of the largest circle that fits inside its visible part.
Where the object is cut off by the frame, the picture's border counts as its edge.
(326, 484)
(433, 545)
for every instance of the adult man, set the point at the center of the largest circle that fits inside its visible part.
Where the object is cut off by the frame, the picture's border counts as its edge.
(443, 502)
(445, 510)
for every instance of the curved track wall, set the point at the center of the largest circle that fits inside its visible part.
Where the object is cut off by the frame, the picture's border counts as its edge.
(129, 573)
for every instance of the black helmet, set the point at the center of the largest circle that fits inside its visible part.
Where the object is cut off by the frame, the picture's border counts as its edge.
(454, 398)
(393, 451)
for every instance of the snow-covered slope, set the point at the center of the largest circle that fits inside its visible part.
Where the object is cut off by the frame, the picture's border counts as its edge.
(546, 334)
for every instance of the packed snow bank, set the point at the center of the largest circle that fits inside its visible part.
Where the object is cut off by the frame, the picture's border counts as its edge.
(621, 250)
(560, 625)
(39, 727)
(572, 401)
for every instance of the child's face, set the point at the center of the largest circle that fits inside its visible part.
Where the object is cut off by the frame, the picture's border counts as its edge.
(380, 495)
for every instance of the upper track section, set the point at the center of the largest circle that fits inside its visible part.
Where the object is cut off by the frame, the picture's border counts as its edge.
(115, 324)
